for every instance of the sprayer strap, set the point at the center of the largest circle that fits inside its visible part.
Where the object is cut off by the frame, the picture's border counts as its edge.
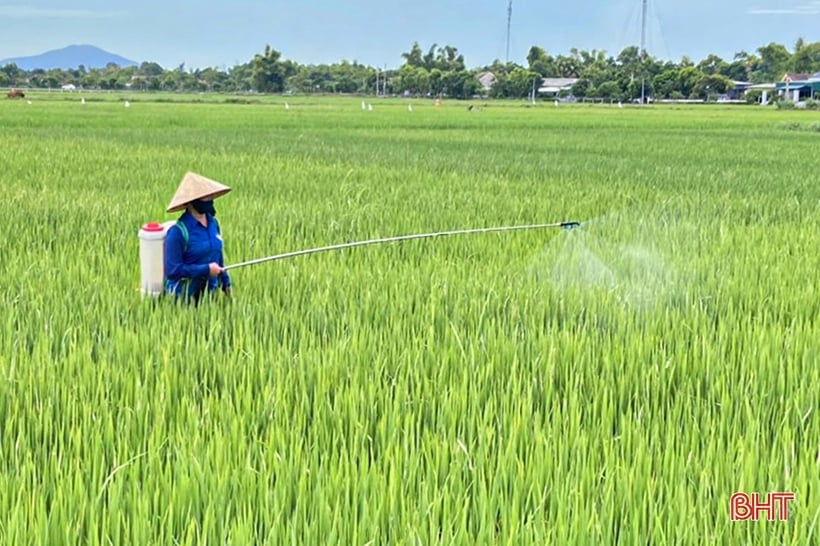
(184, 231)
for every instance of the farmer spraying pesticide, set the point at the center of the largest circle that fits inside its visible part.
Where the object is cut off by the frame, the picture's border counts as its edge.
(193, 258)
(186, 260)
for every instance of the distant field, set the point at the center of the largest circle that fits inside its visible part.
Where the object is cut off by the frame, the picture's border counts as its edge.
(613, 384)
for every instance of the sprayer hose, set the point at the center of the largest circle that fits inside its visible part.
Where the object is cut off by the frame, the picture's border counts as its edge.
(294, 254)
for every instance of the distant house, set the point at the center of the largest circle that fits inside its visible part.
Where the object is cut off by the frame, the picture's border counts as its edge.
(69, 87)
(766, 90)
(555, 86)
(487, 80)
(737, 91)
(799, 87)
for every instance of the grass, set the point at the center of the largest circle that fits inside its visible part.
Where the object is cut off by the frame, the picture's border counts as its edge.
(489, 389)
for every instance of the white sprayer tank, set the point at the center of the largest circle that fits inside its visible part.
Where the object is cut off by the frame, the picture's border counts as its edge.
(152, 258)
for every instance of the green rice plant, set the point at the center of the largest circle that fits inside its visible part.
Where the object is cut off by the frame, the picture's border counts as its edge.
(613, 384)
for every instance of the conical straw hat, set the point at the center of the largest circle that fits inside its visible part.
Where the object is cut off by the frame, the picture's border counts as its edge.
(195, 186)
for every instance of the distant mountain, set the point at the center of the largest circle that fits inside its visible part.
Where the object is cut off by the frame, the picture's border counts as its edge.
(69, 58)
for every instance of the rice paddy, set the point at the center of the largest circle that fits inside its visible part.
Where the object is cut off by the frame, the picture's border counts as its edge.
(614, 384)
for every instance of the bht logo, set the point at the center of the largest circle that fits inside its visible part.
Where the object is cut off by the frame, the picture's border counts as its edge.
(743, 507)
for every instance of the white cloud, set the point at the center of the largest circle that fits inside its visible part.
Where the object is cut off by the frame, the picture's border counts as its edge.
(24, 12)
(807, 8)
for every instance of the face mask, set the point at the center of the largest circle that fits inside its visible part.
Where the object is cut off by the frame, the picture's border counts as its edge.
(204, 207)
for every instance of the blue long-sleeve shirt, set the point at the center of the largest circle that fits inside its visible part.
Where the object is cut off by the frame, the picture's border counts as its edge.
(187, 270)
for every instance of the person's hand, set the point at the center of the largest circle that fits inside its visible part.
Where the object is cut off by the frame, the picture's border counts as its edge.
(214, 269)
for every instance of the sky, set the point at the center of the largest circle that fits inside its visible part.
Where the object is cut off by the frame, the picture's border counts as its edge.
(222, 33)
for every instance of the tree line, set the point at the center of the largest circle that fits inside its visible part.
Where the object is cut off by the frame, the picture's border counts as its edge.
(441, 71)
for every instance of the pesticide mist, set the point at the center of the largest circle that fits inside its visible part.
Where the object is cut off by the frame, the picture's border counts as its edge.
(594, 261)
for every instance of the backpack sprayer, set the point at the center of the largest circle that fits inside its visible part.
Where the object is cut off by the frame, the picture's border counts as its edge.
(152, 241)
(152, 257)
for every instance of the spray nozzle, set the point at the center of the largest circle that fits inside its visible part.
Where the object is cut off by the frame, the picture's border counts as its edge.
(570, 225)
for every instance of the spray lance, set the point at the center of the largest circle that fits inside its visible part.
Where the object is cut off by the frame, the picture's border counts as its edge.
(566, 226)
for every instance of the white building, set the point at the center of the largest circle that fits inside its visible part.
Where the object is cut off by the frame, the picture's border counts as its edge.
(555, 86)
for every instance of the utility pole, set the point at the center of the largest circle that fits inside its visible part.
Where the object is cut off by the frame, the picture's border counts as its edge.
(643, 52)
(509, 22)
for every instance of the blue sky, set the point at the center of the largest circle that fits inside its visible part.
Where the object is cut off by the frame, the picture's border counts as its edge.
(221, 33)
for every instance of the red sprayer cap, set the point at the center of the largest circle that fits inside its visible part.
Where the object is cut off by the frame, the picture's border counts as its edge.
(152, 227)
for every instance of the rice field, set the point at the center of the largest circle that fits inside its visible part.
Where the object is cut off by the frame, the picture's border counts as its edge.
(614, 384)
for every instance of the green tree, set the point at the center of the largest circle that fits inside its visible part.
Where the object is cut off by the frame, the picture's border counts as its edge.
(414, 57)
(688, 78)
(75, 76)
(774, 62)
(597, 69)
(348, 77)
(429, 58)
(171, 81)
(666, 83)
(541, 63)
(91, 80)
(212, 79)
(499, 68)
(807, 59)
(13, 73)
(150, 69)
(517, 84)
(300, 81)
(313, 79)
(581, 88)
(637, 86)
(629, 57)
(437, 82)
(269, 72)
(55, 78)
(609, 90)
(415, 79)
(712, 84)
(461, 84)
(738, 69)
(449, 59)
(567, 67)
(241, 76)
(440, 71)
(713, 64)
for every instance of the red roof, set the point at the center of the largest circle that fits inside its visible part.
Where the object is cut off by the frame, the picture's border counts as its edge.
(795, 77)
